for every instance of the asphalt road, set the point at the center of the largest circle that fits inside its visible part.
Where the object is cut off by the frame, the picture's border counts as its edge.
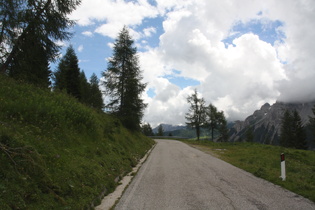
(177, 176)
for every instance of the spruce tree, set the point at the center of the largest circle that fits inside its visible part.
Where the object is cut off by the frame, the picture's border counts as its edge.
(31, 63)
(67, 76)
(196, 113)
(84, 89)
(21, 20)
(299, 133)
(123, 82)
(286, 125)
(293, 133)
(312, 123)
(95, 97)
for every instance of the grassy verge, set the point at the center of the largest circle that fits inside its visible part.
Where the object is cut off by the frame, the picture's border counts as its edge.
(56, 153)
(264, 161)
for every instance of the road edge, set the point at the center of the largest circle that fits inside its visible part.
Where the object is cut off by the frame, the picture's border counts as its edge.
(110, 200)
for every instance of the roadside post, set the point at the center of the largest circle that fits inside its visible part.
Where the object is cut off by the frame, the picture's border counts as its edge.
(282, 167)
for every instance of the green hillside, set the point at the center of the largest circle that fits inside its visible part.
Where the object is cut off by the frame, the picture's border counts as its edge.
(56, 153)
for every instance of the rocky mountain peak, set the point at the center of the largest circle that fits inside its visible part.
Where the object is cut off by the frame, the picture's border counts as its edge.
(265, 123)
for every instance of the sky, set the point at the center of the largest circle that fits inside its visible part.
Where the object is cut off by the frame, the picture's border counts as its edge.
(237, 54)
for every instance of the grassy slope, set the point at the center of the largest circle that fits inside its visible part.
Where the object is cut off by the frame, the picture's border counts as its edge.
(264, 161)
(56, 153)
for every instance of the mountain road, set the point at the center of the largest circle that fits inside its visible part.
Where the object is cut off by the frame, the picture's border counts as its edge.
(177, 176)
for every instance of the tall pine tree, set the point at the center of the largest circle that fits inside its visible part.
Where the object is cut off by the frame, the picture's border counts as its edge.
(298, 132)
(22, 20)
(31, 63)
(123, 82)
(95, 97)
(293, 133)
(67, 76)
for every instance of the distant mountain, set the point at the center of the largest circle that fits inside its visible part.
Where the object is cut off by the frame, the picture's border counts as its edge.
(181, 131)
(168, 128)
(264, 125)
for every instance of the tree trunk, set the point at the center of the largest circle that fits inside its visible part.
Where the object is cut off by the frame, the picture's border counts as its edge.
(197, 132)
(212, 133)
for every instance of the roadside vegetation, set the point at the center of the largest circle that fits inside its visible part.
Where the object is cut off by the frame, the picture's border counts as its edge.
(264, 161)
(57, 153)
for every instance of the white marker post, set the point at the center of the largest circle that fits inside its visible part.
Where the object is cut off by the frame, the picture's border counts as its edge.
(282, 167)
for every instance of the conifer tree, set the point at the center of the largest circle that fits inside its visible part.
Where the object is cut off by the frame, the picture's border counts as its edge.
(293, 133)
(123, 82)
(160, 130)
(299, 132)
(147, 130)
(95, 97)
(84, 89)
(222, 127)
(21, 20)
(312, 123)
(286, 125)
(196, 113)
(31, 63)
(67, 76)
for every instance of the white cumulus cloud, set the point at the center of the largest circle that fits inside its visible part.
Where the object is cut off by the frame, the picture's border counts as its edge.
(237, 76)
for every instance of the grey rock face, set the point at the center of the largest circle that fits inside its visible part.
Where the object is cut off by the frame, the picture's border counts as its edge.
(265, 124)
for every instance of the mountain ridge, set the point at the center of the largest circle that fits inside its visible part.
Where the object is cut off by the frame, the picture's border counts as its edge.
(265, 123)
(169, 127)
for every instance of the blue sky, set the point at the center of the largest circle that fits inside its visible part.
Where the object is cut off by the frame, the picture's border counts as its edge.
(238, 55)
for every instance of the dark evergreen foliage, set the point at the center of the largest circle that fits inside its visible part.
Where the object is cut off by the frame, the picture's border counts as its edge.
(123, 82)
(293, 133)
(160, 130)
(47, 20)
(147, 130)
(31, 63)
(95, 98)
(312, 123)
(84, 89)
(250, 134)
(67, 76)
(299, 132)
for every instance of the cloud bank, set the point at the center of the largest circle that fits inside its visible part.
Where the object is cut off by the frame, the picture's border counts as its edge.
(238, 69)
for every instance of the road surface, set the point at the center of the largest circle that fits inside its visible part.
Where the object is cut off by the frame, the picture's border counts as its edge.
(177, 176)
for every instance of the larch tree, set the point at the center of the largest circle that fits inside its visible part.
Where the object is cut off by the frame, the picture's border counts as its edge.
(215, 121)
(23, 20)
(123, 82)
(222, 127)
(196, 114)
(212, 119)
